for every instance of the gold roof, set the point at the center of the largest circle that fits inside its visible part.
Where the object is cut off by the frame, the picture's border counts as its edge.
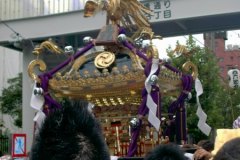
(116, 85)
(112, 89)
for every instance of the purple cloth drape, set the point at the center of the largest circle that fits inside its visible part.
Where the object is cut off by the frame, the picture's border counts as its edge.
(143, 109)
(45, 77)
(178, 107)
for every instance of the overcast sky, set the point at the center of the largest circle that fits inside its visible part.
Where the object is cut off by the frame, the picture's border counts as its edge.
(233, 38)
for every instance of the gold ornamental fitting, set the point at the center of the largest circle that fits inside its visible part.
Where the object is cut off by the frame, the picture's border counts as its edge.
(189, 66)
(152, 52)
(104, 59)
(90, 8)
(42, 67)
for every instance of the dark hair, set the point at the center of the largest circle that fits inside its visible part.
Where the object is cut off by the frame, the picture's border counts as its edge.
(70, 133)
(206, 144)
(166, 152)
(229, 151)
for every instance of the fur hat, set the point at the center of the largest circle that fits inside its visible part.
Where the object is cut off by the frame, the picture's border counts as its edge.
(166, 152)
(70, 133)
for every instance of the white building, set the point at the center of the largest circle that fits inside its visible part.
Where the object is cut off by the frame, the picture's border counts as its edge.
(10, 66)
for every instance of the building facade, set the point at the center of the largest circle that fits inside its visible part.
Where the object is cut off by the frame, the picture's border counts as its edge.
(17, 9)
(10, 66)
(228, 56)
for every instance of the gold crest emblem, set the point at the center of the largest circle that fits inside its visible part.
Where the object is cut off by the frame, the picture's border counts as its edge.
(104, 60)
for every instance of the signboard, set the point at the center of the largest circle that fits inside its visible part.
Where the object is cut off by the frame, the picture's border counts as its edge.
(19, 146)
(161, 9)
(234, 78)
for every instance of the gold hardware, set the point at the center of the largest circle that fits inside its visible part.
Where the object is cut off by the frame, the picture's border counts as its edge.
(104, 60)
(187, 66)
(36, 62)
(90, 8)
(49, 46)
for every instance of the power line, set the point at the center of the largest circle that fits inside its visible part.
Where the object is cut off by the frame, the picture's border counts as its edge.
(195, 40)
(18, 35)
(212, 49)
(10, 28)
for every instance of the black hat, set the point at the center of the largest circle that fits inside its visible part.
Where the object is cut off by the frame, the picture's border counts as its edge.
(70, 133)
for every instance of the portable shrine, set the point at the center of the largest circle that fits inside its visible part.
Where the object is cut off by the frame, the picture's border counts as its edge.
(125, 80)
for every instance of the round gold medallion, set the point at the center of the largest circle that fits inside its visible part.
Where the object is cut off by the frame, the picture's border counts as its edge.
(104, 59)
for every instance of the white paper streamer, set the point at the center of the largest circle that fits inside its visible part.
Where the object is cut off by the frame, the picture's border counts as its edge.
(152, 106)
(37, 102)
(202, 125)
(39, 118)
(236, 123)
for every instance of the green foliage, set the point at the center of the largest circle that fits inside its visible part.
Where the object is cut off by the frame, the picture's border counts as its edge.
(214, 99)
(11, 99)
(232, 106)
(4, 144)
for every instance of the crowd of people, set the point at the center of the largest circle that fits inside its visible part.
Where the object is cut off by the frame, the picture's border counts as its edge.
(73, 133)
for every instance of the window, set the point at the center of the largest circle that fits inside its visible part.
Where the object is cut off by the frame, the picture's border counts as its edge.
(221, 69)
(220, 59)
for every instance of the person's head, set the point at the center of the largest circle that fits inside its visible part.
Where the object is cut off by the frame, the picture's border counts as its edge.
(229, 151)
(166, 152)
(206, 144)
(70, 133)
